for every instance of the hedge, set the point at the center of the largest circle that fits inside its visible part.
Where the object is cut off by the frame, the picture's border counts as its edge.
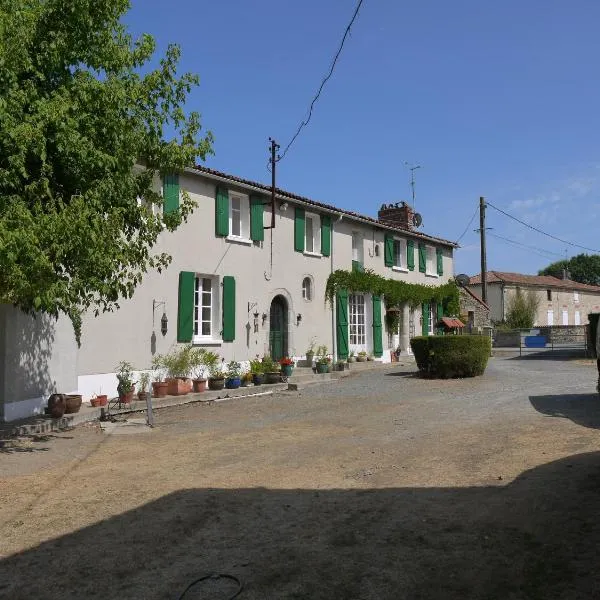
(449, 356)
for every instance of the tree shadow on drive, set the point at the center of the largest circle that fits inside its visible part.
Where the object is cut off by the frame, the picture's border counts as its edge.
(583, 409)
(536, 537)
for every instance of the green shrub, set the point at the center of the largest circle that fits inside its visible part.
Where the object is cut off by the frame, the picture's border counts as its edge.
(451, 355)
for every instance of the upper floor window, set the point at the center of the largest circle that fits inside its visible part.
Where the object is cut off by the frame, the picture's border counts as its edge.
(307, 292)
(576, 296)
(312, 233)
(400, 254)
(357, 247)
(239, 216)
(549, 294)
(431, 268)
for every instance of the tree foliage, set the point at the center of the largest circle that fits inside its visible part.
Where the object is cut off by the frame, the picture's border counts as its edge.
(76, 115)
(584, 268)
(393, 291)
(522, 309)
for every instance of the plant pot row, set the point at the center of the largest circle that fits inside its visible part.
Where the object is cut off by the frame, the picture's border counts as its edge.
(63, 404)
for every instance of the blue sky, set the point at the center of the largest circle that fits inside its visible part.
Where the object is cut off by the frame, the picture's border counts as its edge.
(500, 100)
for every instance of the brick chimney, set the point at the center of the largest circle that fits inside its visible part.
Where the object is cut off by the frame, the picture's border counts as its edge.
(398, 215)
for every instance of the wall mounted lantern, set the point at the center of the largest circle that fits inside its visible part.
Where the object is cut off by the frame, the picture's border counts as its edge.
(164, 322)
(264, 318)
(298, 319)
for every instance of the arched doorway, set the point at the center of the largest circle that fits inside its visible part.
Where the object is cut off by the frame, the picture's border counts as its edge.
(278, 328)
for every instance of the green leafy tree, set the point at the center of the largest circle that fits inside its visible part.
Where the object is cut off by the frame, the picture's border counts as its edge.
(79, 108)
(522, 309)
(584, 268)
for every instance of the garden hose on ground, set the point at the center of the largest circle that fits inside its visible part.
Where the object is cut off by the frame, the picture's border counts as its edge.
(215, 576)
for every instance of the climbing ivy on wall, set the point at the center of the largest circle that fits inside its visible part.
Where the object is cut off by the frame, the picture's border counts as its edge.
(394, 292)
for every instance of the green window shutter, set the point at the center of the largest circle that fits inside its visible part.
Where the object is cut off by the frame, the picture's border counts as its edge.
(170, 194)
(299, 230)
(440, 261)
(228, 308)
(222, 212)
(342, 323)
(440, 311)
(185, 306)
(410, 255)
(422, 258)
(425, 319)
(257, 229)
(388, 251)
(326, 235)
(377, 330)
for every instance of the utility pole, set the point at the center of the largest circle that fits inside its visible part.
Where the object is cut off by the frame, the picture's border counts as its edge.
(273, 161)
(483, 255)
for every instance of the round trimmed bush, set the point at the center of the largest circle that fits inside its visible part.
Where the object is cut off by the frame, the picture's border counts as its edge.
(449, 356)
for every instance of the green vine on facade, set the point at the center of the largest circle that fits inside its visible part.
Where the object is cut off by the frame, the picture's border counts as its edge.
(394, 292)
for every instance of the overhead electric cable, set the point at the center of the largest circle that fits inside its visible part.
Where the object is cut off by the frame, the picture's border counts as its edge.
(327, 77)
(540, 251)
(542, 232)
(468, 224)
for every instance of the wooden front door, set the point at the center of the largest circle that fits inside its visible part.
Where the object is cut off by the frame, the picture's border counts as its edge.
(278, 328)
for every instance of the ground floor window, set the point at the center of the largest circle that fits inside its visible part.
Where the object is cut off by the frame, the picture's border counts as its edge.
(356, 316)
(432, 318)
(204, 306)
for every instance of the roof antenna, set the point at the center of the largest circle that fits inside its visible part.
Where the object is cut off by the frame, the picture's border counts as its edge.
(412, 169)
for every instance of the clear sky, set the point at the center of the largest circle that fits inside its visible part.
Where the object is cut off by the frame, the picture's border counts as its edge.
(494, 99)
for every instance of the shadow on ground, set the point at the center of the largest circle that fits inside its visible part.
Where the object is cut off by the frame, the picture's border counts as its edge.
(536, 537)
(583, 409)
(562, 355)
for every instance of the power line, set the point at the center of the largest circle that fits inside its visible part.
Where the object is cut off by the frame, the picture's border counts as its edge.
(305, 122)
(540, 251)
(468, 225)
(543, 232)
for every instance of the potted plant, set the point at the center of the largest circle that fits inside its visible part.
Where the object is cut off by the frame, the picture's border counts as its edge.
(178, 366)
(234, 371)
(341, 365)
(362, 356)
(287, 366)
(351, 357)
(216, 377)
(323, 360)
(246, 379)
(256, 370)
(99, 400)
(197, 368)
(144, 384)
(310, 352)
(271, 370)
(159, 385)
(370, 357)
(126, 385)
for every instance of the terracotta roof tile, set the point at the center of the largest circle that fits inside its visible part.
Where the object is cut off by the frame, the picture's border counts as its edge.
(283, 194)
(546, 281)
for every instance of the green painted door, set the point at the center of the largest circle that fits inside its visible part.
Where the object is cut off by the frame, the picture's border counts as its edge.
(278, 328)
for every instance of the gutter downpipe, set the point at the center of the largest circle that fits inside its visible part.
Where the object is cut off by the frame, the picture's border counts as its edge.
(333, 305)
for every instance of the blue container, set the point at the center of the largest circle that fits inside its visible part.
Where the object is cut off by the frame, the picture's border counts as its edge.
(535, 341)
(233, 383)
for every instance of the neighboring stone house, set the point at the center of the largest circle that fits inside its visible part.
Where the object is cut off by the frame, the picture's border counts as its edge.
(233, 287)
(474, 312)
(561, 301)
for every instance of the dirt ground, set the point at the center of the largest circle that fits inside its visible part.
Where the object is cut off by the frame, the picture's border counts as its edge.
(381, 486)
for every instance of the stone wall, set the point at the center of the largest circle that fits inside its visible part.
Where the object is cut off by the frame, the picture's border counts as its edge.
(481, 314)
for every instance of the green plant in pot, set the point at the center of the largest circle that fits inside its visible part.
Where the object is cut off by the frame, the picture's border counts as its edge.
(287, 366)
(351, 357)
(198, 368)
(362, 356)
(310, 352)
(126, 383)
(144, 385)
(159, 385)
(216, 377)
(246, 378)
(234, 375)
(256, 370)
(178, 365)
(271, 370)
(323, 360)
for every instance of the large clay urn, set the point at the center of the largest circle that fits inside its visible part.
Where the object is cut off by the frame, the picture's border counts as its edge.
(57, 403)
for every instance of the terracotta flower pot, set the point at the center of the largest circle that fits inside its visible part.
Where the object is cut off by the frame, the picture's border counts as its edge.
(179, 386)
(199, 385)
(73, 403)
(159, 389)
(127, 398)
(101, 400)
(56, 405)
(142, 396)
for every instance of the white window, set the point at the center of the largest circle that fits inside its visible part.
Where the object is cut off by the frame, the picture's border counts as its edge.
(576, 296)
(565, 317)
(239, 217)
(356, 316)
(577, 318)
(312, 234)
(357, 247)
(550, 317)
(400, 255)
(431, 264)
(432, 318)
(206, 299)
(307, 288)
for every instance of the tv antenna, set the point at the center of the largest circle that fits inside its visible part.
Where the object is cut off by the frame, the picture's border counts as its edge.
(412, 169)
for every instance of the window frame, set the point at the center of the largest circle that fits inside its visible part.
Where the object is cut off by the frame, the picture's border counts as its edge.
(215, 308)
(307, 297)
(549, 295)
(244, 236)
(575, 296)
(430, 261)
(357, 331)
(402, 267)
(315, 225)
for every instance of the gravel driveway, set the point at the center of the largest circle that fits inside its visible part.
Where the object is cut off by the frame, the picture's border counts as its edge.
(380, 486)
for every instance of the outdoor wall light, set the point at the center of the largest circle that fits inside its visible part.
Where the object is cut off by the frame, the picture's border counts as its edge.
(164, 322)
(264, 318)
(284, 206)
(298, 319)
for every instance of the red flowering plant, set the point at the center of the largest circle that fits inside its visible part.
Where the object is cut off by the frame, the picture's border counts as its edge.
(286, 361)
